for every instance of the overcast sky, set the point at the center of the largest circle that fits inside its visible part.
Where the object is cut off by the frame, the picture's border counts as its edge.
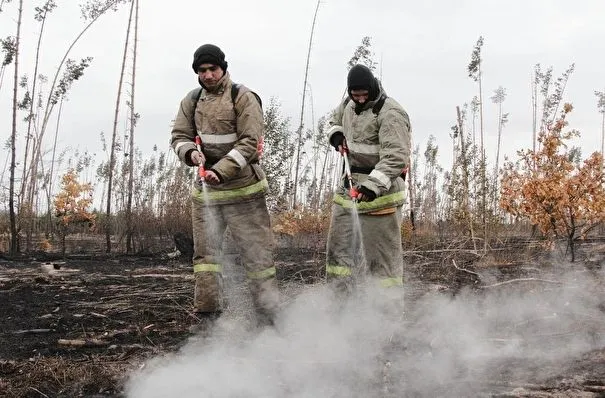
(423, 48)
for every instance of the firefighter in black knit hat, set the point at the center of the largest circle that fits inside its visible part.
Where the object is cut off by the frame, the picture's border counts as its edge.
(373, 131)
(219, 128)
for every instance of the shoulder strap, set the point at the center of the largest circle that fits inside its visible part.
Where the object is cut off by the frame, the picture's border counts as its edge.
(235, 90)
(378, 105)
(195, 94)
(195, 97)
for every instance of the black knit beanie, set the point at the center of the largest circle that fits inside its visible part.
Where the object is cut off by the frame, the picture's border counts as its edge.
(209, 54)
(361, 78)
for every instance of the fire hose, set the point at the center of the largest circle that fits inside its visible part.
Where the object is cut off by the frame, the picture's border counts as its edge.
(353, 192)
(201, 170)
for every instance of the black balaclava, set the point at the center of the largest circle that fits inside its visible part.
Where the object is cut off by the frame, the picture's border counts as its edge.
(361, 78)
(209, 54)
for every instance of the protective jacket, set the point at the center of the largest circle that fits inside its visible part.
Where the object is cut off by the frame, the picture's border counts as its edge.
(379, 150)
(231, 133)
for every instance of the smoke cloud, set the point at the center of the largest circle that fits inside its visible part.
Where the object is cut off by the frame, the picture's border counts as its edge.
(474, 342)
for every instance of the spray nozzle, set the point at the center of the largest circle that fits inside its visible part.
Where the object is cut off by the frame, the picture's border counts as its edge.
(353, 192)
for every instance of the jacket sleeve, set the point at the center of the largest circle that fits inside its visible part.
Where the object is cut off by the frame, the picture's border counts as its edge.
(395, 140)
(183, 134)
(250, 129)
(335, 123)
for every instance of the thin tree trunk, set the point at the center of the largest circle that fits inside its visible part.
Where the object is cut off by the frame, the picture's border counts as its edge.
(465, 178)
(603, 134)
(133, 121)
(322, 181)
(31, 111)
(534, 103)
(315, 155)
(497, 158)
(14, 244)
(302, 108)
(29, 231)
(112, 148)
(483, 166)
(52, 167)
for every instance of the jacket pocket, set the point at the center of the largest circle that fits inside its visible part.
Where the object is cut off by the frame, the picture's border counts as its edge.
(225, 122)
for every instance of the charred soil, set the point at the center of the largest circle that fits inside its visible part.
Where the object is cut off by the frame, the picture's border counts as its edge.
(79, 326)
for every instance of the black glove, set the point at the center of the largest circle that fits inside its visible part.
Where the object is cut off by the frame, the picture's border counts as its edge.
(368, 194)
(337, 139)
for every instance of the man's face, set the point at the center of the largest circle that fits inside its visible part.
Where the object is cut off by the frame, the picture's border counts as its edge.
(360, 96)
(210, 74)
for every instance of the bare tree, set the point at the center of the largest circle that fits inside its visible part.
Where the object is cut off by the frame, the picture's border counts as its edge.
(299, 144)
(133, 121)
(40, 16)
(112, 147)
(66, 73)
(465, 176)
(14, 244)
(498, 98)
(475, 73)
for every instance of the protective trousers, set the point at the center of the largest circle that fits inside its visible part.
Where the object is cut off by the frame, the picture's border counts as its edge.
(377, 252)
(251, 230)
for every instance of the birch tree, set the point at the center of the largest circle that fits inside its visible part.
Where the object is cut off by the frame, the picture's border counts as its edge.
(475, 73)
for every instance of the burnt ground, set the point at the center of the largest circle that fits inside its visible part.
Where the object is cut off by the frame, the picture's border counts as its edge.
(79, 330)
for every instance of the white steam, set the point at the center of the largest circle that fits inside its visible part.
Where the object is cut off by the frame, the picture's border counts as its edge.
(463, 345)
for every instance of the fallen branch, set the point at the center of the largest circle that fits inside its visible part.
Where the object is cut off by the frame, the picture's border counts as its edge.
(521, 280)
(83, 342)
(33, 331)
(38, 391)
(467, 251)
(599, 389)
(161, 276)
(464, 269)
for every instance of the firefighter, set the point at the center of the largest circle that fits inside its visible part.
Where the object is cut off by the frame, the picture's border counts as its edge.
(228, 119)
(373, 131)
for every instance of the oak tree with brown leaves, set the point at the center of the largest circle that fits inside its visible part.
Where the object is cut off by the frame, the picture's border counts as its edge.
(71, 205)
(563, 197)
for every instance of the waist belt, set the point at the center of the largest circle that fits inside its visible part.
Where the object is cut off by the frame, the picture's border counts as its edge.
(361, 170)
(368, 170)
(208, 165)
